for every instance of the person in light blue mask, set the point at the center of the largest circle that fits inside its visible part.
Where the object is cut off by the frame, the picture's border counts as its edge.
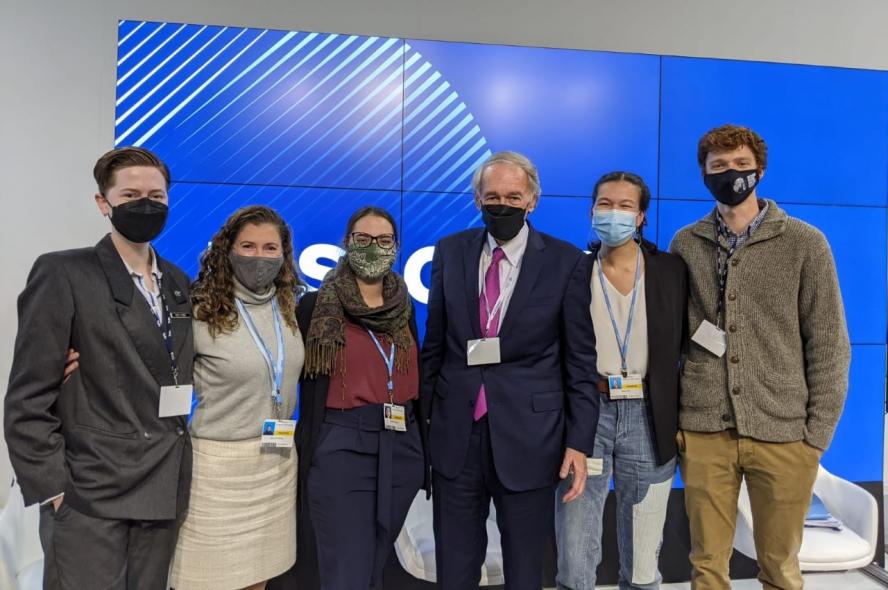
(638, 305)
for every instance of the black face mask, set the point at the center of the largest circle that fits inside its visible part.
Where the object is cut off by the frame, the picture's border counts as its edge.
(141, 220)
(502, 221)
(731, 187)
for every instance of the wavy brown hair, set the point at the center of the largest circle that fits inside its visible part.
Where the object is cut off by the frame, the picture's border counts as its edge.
(212, 294)
(728, 138)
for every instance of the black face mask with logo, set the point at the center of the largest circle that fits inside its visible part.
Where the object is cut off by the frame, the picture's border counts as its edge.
(731, 187)
(503, 222)
(141, 220)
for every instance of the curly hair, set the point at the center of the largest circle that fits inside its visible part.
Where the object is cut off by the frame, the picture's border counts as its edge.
(728, 138)
(212, 294)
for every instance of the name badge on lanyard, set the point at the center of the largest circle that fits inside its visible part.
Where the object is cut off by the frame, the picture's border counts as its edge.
(711, 337)
(625, 385)
(486, 351)
(394, 416)
(175, 399)
(278, 434)
(275, 432)
(628, 387)
(483, 351)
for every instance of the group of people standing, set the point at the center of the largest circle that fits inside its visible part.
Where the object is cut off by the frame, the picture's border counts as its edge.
(544, 373)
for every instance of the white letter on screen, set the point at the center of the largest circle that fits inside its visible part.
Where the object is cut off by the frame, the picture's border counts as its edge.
(413, 273)
(310, 260)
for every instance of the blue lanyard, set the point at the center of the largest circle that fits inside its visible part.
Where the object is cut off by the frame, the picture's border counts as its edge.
(623, 344)
(275, 367)
(388, 360)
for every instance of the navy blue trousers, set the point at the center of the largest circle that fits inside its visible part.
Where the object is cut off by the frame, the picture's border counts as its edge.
(461, 506)
(361, 484)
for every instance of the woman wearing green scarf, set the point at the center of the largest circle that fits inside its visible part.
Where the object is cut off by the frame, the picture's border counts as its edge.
(360, 435)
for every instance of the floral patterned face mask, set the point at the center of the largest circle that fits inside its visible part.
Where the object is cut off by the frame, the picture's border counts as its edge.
(370, 262)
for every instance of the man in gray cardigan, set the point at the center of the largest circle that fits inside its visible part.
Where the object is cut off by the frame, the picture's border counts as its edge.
(767, 367)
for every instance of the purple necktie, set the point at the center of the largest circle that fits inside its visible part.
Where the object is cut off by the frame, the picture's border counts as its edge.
(488, 297)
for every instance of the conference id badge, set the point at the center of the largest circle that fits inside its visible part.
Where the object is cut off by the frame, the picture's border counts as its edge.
(278, 434)
(712, 338)
(484, 351)
(394, 417)
(175, 400)
(628, 387)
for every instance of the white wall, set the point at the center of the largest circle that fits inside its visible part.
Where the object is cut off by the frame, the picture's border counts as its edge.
(57, 70)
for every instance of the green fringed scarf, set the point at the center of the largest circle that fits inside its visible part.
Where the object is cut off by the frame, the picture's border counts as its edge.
(338, 298)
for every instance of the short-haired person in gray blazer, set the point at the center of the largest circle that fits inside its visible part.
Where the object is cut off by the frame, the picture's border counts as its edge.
(106, 451)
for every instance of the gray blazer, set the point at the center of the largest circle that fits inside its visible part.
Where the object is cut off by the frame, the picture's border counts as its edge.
(97, 437)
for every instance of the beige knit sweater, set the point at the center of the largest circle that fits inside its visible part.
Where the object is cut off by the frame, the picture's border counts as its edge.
(784, 376)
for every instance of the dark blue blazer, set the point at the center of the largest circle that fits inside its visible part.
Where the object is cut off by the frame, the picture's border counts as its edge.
(542, 396)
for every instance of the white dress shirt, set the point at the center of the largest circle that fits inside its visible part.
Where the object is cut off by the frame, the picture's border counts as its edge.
(152, 296)
(605, 340)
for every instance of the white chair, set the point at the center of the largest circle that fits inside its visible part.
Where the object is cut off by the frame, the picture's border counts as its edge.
(826, 549)
(21, 556)
(415, 545)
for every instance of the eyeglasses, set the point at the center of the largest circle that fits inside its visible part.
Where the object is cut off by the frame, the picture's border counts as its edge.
(362, 240)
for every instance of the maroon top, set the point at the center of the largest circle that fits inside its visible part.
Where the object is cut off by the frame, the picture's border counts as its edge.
(366, 376)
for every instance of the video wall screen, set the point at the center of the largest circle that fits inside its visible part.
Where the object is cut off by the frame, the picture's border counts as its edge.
(319, 124)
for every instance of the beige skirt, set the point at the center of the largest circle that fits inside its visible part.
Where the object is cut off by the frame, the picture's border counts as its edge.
(241, 523)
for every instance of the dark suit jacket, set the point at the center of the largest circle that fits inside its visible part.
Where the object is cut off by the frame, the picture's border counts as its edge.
(542, 395)
(97, 437)
(665, 287)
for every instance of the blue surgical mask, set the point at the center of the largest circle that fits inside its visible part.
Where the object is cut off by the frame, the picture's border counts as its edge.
(614, 227)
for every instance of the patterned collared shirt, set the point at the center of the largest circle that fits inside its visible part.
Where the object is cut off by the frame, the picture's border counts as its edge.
(152, 296)
(734, 241)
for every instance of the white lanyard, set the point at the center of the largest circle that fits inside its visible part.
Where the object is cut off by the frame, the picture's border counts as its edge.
(500, 301)
(389, 364)
(275, 366)
(622, 344)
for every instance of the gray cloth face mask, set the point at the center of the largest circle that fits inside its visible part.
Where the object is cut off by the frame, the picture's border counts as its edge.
(256, 273)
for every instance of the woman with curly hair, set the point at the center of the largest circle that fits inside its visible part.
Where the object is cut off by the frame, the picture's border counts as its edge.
(240, 529)
(360, 430)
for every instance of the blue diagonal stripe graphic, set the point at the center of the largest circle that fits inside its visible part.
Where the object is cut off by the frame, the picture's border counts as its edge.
(243, 72)
(141, 43)
(200, 88)
(145, 59)
(179, 87)
(151, 92)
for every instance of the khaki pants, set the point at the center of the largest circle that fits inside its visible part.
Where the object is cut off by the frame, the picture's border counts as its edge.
(779, 479)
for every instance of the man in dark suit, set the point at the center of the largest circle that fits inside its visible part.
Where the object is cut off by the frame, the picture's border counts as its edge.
(509, 369)
(106, 451)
